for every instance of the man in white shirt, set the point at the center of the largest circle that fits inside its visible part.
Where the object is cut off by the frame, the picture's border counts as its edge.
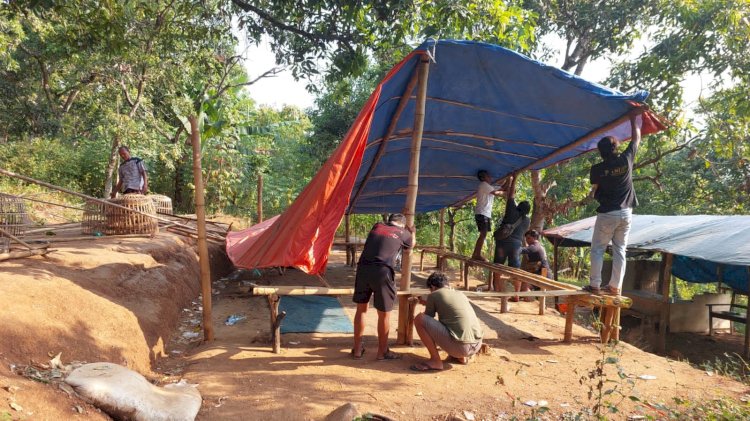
(483, 211)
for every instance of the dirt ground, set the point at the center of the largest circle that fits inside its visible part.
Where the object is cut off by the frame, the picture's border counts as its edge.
(135, 302)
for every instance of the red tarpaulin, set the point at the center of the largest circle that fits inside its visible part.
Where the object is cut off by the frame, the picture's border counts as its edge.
(302, 236)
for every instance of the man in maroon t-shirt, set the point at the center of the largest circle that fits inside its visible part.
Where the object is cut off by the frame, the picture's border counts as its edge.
(375, 276)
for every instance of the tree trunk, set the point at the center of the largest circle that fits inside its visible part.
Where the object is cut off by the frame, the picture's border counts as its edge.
(539, 211)
(109, 182)
(179, 181)
(451, 222)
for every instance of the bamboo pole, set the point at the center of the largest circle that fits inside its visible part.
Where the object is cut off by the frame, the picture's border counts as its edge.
(391, 128)
(200, 213)
(24, 253)
(97, 200)
(423, 70)
(91, 237)
(260, 197)
(16, 239)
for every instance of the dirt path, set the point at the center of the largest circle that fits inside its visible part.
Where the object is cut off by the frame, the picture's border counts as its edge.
(134, 302)
(241, 379)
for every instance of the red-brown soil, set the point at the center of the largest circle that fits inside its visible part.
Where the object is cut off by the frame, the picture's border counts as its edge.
(135, 302)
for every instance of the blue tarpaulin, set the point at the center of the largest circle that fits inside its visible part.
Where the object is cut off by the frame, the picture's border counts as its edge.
(700, 243)
(487, 108)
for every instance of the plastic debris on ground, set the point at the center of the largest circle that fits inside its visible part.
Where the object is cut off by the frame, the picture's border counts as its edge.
(647, 377)
(234, 318)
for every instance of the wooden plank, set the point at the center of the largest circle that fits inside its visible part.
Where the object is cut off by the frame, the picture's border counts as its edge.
(308, 290)
(519, 274)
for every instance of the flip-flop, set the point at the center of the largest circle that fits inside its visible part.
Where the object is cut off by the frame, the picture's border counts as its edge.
(423, 368)
(389, 356)
(355, 356)
(454, 360)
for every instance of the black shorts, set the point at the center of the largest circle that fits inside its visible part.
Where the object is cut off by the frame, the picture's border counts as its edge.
(483, 223)
(378, 280)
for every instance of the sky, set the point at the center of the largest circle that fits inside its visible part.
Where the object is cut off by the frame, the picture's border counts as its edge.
(282, 89)
(275, 91)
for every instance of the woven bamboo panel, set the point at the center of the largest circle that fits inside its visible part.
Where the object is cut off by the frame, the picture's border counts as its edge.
(13, 217)
(122, 221)
(162, 203)
(93, 218)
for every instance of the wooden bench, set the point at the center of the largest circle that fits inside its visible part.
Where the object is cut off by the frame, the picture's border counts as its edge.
(734, 312)
(273, 294)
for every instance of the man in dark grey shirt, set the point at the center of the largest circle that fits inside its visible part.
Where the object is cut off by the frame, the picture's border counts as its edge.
(612, 186)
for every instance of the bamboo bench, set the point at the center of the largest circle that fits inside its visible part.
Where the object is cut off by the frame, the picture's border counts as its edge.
(273, 295)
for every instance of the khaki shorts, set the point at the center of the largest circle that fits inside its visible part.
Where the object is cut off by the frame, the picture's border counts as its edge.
(442, 337)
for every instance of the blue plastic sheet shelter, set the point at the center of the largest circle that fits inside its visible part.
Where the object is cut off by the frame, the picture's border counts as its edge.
(700, 244)
(488, 108)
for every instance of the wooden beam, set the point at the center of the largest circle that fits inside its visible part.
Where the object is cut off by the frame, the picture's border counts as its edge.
(570, 318)
(200, 213)
(276, 318)
(308, 290)
(665, 276)
(423, 69)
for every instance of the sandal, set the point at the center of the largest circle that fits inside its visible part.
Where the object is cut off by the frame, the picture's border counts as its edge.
(423, 368)
(592, 290)
(389, 355)
(610, 290)
(357, 357)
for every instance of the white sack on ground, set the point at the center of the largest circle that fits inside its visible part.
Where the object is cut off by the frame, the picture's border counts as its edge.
(124, 394)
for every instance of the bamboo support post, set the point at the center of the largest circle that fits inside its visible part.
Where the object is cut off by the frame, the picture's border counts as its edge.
(200, 213)
(411, 195)
(467, 265)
